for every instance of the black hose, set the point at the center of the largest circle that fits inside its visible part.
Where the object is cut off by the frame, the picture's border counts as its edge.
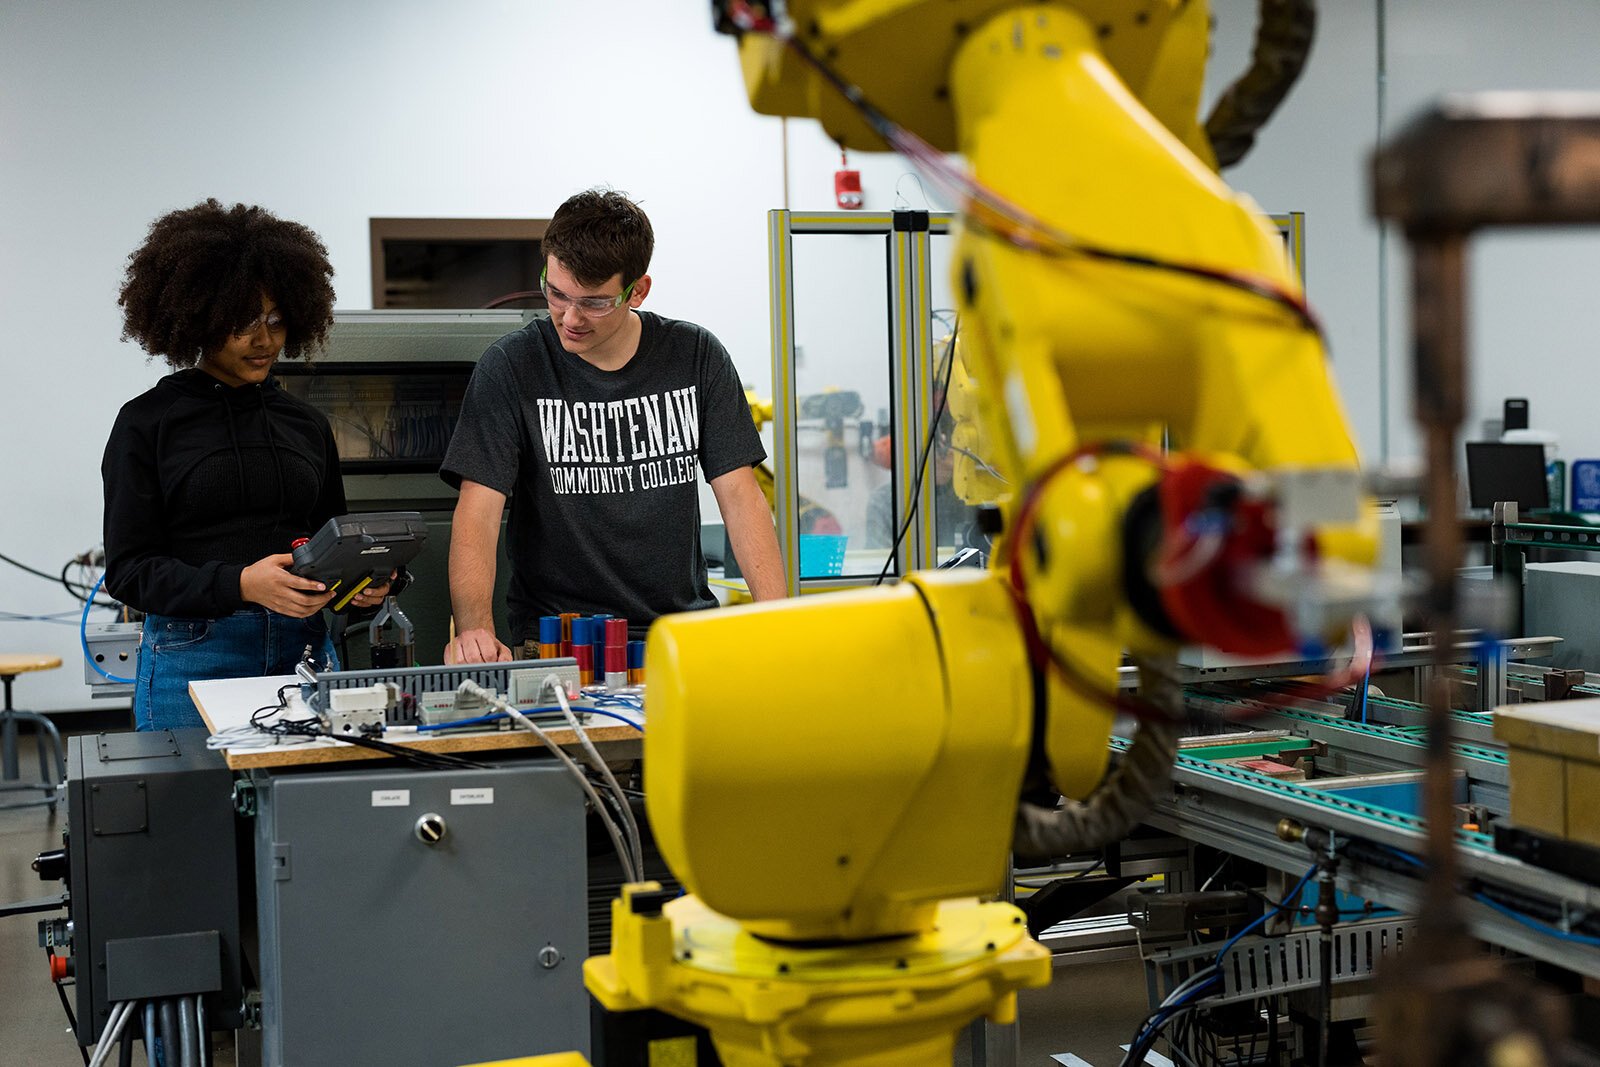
(188, 1036)
(1325, 989)
(36, 572)
(205, 1031)
(151, 1040)
(170, 1046)
(125, 1049)
(80, 593)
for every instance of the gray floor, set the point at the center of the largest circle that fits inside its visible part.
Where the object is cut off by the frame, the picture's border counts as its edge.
(33, 1028)
(1088, 1010)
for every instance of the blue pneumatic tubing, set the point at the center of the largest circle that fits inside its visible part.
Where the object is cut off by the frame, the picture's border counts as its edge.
(83, 636)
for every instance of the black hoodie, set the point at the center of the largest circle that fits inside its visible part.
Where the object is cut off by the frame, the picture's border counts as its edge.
(202, 480)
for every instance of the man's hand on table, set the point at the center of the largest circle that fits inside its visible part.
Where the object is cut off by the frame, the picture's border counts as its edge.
(476, 646)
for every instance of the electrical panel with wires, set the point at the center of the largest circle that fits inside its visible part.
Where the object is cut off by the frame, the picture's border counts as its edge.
(432, 695)
(150, 866)
(113, 647)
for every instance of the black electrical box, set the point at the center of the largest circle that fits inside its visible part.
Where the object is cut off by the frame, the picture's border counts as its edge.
(153, 875)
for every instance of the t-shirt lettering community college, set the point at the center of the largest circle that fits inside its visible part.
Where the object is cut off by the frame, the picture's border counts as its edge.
(657, 435)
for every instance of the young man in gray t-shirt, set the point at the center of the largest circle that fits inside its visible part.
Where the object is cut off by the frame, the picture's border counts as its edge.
(594, 423)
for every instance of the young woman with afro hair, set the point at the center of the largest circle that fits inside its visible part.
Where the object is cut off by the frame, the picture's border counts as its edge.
(214, 472)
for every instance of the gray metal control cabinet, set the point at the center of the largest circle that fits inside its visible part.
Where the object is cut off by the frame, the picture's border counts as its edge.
(420, 917)
(1560, 598)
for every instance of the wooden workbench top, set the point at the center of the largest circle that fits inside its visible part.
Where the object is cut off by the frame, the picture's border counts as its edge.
(228, 703)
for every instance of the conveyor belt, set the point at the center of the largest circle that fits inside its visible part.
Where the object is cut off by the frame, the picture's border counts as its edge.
(1237, 810)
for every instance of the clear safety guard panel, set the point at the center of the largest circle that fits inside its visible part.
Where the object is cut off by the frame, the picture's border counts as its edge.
(847, 516)
(954, 519)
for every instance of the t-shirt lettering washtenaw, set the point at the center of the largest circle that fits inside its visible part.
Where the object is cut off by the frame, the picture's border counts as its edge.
(601, 467)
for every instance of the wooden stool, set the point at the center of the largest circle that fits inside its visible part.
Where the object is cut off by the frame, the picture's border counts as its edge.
(51, 777)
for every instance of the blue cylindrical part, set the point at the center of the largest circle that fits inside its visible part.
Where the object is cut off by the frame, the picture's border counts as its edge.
(635, 655)
(582, 631)
(597, 638)
(550, 629)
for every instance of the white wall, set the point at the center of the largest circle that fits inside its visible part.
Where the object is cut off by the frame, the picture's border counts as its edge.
(1311, 157)
(1534, 326)
(331, 113)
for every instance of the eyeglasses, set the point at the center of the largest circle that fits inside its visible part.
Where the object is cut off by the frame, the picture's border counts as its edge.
(595, 307)
(272, 320)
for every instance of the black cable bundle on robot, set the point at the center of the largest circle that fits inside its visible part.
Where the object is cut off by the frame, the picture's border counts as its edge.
(984, 210)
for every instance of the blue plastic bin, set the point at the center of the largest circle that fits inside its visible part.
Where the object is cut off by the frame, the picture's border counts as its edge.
(822, 555)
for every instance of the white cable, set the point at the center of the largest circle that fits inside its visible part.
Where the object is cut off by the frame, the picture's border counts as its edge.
(256, 734)
(1207, 883)
(493, 698)
(629, 823)
(1198, 978)
(248, 736)
(113, 1030)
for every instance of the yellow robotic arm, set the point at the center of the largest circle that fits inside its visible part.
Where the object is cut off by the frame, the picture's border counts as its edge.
(976, 480)
(836, 791)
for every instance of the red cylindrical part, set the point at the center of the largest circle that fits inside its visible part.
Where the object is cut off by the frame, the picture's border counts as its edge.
(584, 654)
(617, 659)
(617, 633)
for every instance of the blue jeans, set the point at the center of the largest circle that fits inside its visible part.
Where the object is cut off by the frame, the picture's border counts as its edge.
(250, 643)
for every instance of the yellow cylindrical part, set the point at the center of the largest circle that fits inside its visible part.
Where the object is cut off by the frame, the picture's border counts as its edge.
(862, 750)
